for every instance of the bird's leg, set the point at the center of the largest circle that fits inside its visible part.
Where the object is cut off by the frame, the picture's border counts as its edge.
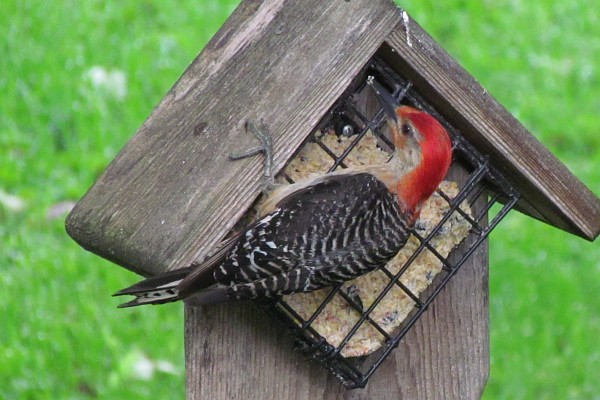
(353, 297)
(266, 147)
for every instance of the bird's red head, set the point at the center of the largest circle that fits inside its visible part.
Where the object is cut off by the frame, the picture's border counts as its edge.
(423, 142)
(423, 150)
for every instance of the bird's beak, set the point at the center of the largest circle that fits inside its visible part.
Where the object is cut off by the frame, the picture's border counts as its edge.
(388, 102)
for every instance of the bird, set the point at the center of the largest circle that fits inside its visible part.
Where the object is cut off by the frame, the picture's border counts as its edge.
(320, 231)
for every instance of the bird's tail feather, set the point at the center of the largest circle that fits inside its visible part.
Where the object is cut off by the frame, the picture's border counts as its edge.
(156, 289)
(163, 288)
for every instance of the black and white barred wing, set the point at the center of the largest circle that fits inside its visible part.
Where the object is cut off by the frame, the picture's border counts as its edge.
(336, 230)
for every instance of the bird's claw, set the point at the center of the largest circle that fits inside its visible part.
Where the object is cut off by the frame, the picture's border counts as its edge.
(266, 147)
(353, 297)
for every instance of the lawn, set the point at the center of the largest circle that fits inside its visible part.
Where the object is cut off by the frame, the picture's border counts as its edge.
(77, 80)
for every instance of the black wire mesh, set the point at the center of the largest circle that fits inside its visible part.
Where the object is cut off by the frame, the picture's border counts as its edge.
(482, 184)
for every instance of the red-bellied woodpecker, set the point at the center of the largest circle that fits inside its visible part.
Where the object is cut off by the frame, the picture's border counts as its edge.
(320, 231)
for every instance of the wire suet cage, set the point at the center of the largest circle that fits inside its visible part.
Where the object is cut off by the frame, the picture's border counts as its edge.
(352, 350)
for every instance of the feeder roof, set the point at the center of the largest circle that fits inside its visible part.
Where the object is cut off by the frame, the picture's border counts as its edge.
(171, 194)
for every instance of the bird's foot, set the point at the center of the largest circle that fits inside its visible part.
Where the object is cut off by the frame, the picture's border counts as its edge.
(266, 147)
(353, 297)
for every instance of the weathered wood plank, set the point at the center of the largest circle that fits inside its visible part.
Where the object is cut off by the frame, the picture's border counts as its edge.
(172, 194)
(550, 191)
(235, 351)
(446, 354)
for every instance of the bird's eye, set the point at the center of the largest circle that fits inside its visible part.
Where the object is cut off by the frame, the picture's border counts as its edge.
(406, 129)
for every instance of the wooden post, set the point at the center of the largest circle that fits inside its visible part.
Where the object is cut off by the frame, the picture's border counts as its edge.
(235, 351)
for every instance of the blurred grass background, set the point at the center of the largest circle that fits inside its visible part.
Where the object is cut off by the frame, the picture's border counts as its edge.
(78, 78)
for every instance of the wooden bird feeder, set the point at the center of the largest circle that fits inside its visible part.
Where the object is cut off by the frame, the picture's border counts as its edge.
(172, 194)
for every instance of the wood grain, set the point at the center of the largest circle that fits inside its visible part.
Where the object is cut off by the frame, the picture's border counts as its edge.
(172, 194)
(550, 191)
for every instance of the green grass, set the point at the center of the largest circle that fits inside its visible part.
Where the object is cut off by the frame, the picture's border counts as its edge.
(61, 335)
